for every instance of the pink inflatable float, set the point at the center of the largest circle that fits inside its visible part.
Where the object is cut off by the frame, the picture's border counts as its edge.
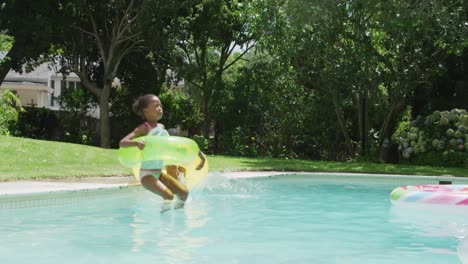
(431, 194)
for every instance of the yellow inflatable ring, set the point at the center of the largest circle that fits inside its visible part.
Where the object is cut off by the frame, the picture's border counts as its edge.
(171, 150)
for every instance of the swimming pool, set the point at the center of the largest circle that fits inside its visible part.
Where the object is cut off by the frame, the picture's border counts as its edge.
(280, 219)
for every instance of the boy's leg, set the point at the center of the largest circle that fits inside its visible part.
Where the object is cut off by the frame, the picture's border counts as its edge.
(174, 185)
(157, 187)
(150, 174)
(176, 171)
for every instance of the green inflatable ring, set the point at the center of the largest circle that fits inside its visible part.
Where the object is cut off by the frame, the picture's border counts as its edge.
(170, 149)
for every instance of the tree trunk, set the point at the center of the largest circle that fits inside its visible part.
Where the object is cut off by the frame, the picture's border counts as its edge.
(386, 154)
(217, 131)
(104, 120)
(363, 101)
(206, 95)
(206, 114)
(342, 125)
(218, 86)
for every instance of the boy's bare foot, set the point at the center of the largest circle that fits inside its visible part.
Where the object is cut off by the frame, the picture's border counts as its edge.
(166, 206)
(179, 204)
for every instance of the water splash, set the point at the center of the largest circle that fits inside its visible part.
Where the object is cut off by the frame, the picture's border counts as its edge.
(219, 185)
(463, 250)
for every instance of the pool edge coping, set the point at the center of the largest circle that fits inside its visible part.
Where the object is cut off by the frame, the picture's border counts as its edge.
(29, 187)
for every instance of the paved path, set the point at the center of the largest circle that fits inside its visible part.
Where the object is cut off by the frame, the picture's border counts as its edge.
(69, 184)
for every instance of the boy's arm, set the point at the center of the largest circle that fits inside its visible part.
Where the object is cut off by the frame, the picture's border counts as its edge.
(128, 141)
(202, 158)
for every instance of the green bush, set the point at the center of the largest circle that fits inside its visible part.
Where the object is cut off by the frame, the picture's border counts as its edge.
(202, 142)
(10, 107)
(439, 139)
(239, 142)
(47, 124)
(38, 123)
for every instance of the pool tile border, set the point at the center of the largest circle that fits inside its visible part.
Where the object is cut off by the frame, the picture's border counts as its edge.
(45, 193)
(352, 177)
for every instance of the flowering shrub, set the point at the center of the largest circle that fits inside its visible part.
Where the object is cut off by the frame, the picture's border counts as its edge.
(438, 139)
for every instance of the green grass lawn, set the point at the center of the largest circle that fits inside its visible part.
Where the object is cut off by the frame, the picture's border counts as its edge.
(23, 158)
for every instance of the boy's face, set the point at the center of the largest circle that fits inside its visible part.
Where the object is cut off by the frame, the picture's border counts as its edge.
(154, 110)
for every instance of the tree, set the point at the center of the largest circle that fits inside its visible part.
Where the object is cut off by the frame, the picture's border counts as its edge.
(321, 42)
(101, 34)
(261, 109)
(210, 33)
(33, 26)
(448, 91)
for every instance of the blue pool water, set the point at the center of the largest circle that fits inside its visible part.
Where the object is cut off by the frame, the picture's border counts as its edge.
(271, 220)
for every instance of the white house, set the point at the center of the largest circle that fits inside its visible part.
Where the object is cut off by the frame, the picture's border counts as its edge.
(41, 87)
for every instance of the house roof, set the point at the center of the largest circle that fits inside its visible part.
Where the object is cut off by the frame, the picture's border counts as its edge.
(24, 86)
(40, 74)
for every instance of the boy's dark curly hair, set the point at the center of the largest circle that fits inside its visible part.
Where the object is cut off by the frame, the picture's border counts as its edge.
(141, 103)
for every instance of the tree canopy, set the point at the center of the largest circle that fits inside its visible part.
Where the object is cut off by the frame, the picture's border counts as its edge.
(33, 26)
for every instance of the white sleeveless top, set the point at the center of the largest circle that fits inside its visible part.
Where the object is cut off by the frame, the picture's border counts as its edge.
(156, 131)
